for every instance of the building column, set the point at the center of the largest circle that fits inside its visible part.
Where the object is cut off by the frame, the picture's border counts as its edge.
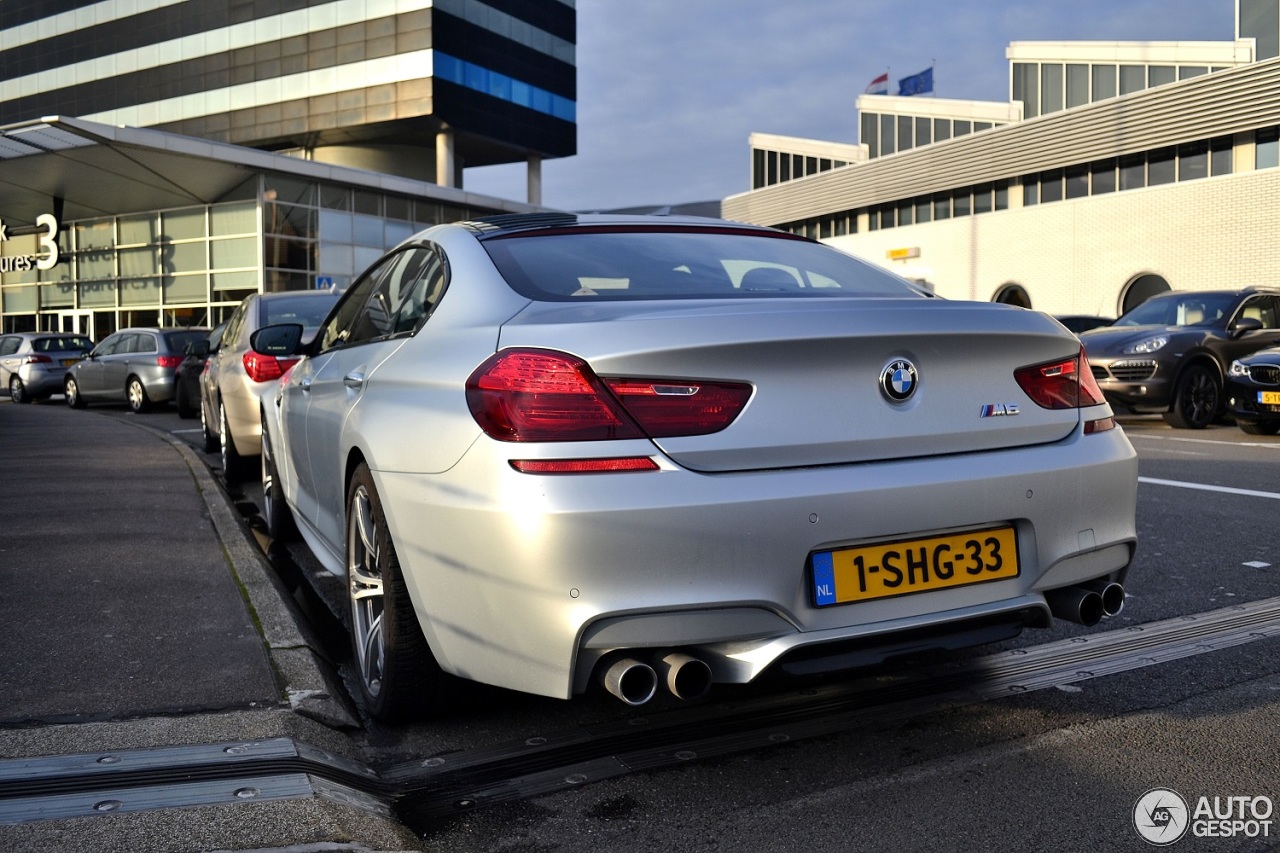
(535, 180)
(444, 158)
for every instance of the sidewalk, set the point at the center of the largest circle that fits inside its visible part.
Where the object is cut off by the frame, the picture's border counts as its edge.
(139, 613)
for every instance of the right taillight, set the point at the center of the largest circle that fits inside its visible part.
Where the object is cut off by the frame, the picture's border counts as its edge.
(543, 395)
(264, 368)
(1064, 384)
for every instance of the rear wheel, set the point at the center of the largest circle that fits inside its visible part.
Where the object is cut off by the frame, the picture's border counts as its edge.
(399, 678)
(18, 391)
(1195, 399)
(210, 441)
(232, 462)
(279, 519)
(136, 394)
(71, 390)
(1260, 427)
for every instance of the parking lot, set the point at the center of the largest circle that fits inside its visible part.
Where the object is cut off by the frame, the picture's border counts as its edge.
(978, 747)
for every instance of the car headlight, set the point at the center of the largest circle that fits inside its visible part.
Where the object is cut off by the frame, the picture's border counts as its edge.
(1146, 346)
(1238, 370)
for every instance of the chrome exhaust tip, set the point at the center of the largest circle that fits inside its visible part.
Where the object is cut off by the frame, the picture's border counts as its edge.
(685, 676)
(1076, 604)
(631, 681)
(1112, 596)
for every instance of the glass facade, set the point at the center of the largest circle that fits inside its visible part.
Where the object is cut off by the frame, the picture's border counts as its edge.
(191, 266)
(1048, 87)
(776, 167)
(887, 133)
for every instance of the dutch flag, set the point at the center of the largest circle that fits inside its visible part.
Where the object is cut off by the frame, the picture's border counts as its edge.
(879, 86)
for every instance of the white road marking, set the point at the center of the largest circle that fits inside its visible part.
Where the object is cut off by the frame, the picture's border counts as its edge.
(1250, 493)
(1257, 564)
(183, 431)
(1221, 443)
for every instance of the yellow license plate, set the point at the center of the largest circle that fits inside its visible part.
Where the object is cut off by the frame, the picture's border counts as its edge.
(67, 362)
(1270, 398)
(914, 565)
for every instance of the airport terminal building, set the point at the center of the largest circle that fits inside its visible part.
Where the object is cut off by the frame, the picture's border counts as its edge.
(162, 159)
(1115, 171)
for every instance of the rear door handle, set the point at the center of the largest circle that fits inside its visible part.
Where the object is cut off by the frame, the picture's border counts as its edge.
(354, 380)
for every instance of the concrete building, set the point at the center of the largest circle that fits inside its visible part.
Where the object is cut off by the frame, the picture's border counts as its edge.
(223, 147)
(1116, 170)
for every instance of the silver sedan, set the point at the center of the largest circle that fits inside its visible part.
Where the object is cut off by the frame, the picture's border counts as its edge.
(548, 451)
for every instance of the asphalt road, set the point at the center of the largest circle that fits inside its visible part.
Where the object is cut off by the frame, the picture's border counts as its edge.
(1056, 769)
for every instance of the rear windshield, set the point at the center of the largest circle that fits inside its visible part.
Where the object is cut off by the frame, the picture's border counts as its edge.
(307, 310)
(681, 264)
(179, 341)
(62, 343)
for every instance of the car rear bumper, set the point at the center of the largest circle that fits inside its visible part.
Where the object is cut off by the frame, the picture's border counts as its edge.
(528, 581)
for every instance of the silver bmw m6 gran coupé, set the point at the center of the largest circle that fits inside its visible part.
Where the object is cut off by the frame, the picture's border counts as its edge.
(548, 451)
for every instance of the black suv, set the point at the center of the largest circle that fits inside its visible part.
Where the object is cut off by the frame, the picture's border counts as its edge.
(1171, 353)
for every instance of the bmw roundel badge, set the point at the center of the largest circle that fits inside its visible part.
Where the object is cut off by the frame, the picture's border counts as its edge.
(898, 380)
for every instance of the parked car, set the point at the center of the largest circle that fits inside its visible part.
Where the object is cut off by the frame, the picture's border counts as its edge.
(235, 376)
(136, 366)
(1171, 353)
(1253, 392)
(550, 450)
(32, 363)
(186, 394)
(1078, 323)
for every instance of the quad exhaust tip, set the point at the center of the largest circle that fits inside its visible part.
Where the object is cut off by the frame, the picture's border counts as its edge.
(636, 682)
(1087, 604)
(631, 681)
(685, 676)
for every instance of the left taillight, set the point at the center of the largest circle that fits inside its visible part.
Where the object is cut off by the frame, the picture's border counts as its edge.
(169, 362)
(543, 395)
(264, 368)
(1063, 384)
(37, 359)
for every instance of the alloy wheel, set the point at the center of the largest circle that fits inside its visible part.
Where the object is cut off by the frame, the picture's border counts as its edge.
(364, 578)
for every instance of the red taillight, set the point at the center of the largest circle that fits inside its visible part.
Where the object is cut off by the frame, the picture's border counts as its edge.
(584, 466)
(542, 395)
(665, 409)
(170, 362)
(539, 395)
(37, 359)
(1065, 384)
(264, 368)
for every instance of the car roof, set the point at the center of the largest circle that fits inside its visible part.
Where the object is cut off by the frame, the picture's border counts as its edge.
(505, 224)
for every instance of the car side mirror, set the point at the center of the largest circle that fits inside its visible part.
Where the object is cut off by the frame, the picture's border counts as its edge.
(1244, 325)
(282, 340)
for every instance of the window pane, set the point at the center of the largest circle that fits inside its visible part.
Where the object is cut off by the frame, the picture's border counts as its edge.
(1026, 88)
(1221, 156)
(924, 210)
(961, 204)
(1051, 186)
(1268, 151)
(1103, 174)
(1030, 190)
(1260, 19)
(233, 219)
(924, 131)
(888, 135)
(941, 129)
(1077, 85)
(138, 230)
(138, 262)
(1133, 78)
(183, 224)
(1133, 172)
(1158, 75)
(982, 200)
(1193, 161)
(784, 167)
(1077, 182)
(241, 252)
(182, 257)
(1104, 82)
(942, 207)
(905, 136)
(185, 288)
(1186, 72)
(1002, 196)
(144, 291)
(1162, 167)
(770, 179)
(1050, 87)
(905, 212)
(979, 126)
(961, 128)
(870, 135)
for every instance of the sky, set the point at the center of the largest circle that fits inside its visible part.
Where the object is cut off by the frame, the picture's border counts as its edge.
(670, 90)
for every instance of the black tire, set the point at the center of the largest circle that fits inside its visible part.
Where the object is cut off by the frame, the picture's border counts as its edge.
(18, 391)
(182, 401)
(275, 511)
(398, 676)
(1196, 398)
(71, 390)
(135, 394)
(210, 441)
(1259, 427)
(233, 465)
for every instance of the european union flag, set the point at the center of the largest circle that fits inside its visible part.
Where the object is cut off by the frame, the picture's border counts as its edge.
(917, 84)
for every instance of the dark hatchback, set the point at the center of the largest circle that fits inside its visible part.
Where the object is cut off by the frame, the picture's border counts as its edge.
(1253, 392)
(1171, 354)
